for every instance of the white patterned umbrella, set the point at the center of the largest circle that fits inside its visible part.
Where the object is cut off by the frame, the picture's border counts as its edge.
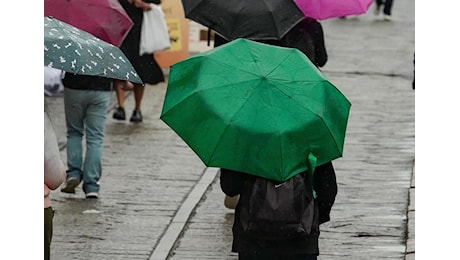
(73, 50)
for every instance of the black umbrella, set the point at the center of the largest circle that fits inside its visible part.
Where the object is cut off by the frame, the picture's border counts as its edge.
(251, 19)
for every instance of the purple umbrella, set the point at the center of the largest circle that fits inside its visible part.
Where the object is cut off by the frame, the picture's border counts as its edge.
(324, 9)
(105, 19)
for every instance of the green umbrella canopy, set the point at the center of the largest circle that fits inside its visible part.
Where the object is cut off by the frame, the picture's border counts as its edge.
(256, 108)
(75, 51)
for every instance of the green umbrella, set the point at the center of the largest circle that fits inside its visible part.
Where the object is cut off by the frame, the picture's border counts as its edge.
(256, 108)
(73, 50)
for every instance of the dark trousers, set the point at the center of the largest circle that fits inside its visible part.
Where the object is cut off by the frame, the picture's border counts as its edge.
(246, 256)
(49, 214)
(388, 4)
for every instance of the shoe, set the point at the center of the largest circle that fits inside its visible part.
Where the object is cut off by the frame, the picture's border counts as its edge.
(377, 10)
(92, 195)
(386, 17)
(119, 113)
(230, 202)
(70, 184)
(136, 117)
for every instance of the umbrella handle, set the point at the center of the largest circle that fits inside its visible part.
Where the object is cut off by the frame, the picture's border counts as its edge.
(311, 164)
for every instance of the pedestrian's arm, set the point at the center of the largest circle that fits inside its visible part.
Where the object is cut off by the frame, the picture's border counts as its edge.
(231, 182)
(145, 4)
(326, 190)
(55, 172)
(320, 46)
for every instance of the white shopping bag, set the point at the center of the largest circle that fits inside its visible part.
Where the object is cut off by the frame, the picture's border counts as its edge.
(154, 31)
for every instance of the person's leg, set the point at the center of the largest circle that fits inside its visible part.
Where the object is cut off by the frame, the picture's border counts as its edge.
(378, 4)
(120, 110)
(95, 124)
(118, 86)
(49, 213)
(127, 86)
(138, 95)
(74, 114)
(413, 78)
(387, 7)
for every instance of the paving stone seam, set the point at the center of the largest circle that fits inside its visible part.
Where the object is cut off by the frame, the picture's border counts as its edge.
(174, 229)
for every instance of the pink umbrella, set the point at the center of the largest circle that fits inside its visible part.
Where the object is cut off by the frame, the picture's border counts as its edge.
(105, 19)
(324, 9)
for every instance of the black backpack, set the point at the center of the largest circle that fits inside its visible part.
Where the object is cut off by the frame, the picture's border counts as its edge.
(278, 211)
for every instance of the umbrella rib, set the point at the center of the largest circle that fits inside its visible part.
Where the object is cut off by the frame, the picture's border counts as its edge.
(239, 68)
(279, 30)
(281, 62)
(231, 119)
(278, 132)
(312, 112)
(228, 125)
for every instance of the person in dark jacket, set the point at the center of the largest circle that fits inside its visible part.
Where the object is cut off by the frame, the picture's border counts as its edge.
(86, 101)
(146, 66)
(235, 183)
(307, 36)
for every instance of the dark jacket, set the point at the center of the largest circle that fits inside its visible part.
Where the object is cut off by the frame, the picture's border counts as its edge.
(233, 183)
(84, 82)
(308, 37)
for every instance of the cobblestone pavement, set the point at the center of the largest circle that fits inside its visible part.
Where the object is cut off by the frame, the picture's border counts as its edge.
(159, 201)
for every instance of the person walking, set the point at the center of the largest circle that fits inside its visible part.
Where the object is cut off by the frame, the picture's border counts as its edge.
(308, 37)
(146, 66)
(387, 6)
(86, 102)
(55, 175)
(306, 247)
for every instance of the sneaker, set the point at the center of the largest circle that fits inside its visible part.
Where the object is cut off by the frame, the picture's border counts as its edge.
(386, 17)
(92, 195)
(230, 202)
(119, 113)
(70, 184)
(136, 117)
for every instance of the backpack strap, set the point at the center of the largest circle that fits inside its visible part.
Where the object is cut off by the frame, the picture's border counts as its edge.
(311, 164)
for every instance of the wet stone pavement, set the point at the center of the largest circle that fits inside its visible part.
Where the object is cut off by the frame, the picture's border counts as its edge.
(159, 201)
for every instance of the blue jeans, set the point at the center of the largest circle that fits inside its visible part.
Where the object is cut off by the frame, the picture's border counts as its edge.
(85, 112)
